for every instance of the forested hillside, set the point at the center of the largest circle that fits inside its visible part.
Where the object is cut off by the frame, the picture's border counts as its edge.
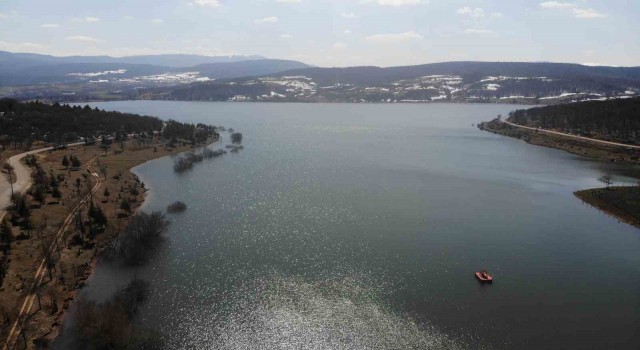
(469, 71)
(34, 121)
(512, 82)
(617, 120)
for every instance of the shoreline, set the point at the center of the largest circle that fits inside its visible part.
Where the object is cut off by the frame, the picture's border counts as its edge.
(580, 147)
(619, 201)
(46, 327)
(147, 188)
(314, 102)
(94, 263)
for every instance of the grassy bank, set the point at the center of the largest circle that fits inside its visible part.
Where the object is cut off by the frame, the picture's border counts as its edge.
(579, 147)
(622, 202)
(75, 238)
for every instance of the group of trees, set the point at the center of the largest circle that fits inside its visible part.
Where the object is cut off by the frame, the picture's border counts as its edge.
(97, 219)
(236, 138)
(23, 122)
(43, 183)
(109, 325)
(198, 133)
(613, 119)
(143, 232)
(176, 207)
(19, 206)
(185, 163)
(72, 160)
(6, 237)
(215, 91)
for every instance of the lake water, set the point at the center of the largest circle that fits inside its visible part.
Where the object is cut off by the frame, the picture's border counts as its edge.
(360, 226)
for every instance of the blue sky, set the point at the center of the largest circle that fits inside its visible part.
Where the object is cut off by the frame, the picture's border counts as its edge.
(331, 32)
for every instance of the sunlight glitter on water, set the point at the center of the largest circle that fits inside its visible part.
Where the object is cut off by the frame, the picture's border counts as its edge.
(289, 313)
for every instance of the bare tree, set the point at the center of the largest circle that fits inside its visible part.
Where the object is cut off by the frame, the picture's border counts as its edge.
(49, 258)
(236, 138)
(53, 299)
(607, 180)
(103, 169)
(19, 205)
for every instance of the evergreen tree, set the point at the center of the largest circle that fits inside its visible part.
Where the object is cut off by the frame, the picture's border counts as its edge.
(124, 205)
(5, 232)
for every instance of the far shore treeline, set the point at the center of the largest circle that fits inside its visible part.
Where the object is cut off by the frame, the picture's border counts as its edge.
(22, 123)
(615, 120)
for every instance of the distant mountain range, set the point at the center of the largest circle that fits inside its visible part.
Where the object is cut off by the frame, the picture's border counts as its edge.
(254, 78)
(468, 71)
(18, 69)
(166, 60)
(449, 81)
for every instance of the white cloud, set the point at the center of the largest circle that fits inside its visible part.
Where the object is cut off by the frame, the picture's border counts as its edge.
(289, 1)
(339, 46)
(398, 2)
(127, 17)
(206, 3)
(22, 47)
(478, 31)
(11, 15)
(471, 12)
(393, 38)
(587, 13)
(286, 36)
(50, 25)
(348, 15)
(271, 19)
(157, 21)
(83, 38)
(347, 32)
(578, 12)
(557, 5)
(392, 2)
(87, 19)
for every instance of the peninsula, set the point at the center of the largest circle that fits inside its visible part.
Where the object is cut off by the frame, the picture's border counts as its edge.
(606, 130)
(69, 170)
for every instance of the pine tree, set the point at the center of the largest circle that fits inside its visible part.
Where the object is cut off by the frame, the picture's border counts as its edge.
(124, 205)
(5, 232)
(65, 162)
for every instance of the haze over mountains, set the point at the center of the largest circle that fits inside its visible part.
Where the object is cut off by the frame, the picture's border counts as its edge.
(255, 78)
(167, 60)
(27, 69)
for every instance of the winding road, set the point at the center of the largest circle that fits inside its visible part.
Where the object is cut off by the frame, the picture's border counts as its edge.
(23, 182)
(23, 177)
(608, 143)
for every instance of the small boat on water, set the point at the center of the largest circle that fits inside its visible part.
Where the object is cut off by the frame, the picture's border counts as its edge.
(484, 277)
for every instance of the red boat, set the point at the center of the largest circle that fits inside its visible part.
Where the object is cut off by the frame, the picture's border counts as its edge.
(484, 277)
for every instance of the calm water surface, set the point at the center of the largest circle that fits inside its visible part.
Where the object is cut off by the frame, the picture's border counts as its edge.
(360, 226)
